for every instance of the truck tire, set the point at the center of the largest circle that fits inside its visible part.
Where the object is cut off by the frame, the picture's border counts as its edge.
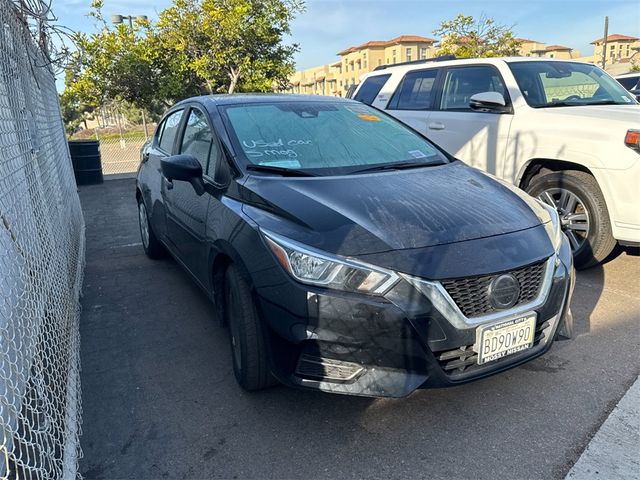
(246, 334)
(583, 213)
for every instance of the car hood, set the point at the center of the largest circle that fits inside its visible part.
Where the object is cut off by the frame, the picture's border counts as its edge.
(626, 114)
(356, 215)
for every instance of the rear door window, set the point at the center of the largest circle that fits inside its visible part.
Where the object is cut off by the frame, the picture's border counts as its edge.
(370, 88)
(460, 84)
(416, 91)
(169, 131)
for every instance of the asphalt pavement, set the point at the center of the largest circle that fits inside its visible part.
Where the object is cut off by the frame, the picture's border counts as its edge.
(160, 400)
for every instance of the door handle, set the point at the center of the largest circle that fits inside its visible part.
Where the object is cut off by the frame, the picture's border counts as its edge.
(168, 183)
(436, 126)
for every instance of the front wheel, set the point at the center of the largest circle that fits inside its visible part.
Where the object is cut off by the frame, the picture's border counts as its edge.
(246, 334)
(582, 210)
(152, 246)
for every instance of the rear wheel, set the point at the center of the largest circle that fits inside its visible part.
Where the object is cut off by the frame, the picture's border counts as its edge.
(246, 334)
(152, 246)
(582, 210)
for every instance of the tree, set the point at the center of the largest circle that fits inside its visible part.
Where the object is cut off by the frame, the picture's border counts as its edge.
(466, 37)
(231, 44)
(197, 46)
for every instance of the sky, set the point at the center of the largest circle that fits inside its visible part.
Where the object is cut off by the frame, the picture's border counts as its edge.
(328, 26)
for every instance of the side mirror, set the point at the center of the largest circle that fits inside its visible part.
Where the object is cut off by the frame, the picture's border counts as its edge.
(488, 102)
(184, 168)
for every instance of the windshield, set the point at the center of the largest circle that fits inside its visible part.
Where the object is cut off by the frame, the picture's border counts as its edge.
(324, 137)
(549, 84)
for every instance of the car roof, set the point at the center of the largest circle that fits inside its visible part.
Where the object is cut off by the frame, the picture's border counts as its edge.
(461, 61)
(246, 98)
(627, 75)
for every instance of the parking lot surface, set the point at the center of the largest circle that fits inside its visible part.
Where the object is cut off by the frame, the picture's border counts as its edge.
(160, 399)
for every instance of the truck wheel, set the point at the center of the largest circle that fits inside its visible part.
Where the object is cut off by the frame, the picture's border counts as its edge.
(152, 246)
(582, 210)
(246, 334)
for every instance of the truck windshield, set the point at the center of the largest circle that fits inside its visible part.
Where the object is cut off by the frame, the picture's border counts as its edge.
(323, 138)
(567, 84)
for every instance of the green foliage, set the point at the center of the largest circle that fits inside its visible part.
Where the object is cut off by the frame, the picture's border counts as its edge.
(231, 44)
(197, 46)
(466, 37)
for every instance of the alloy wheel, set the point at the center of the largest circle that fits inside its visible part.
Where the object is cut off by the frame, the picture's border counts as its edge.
(144, 224)
(574, 217)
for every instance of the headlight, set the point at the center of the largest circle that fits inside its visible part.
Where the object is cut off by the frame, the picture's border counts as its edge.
(553, 227)
(313, 267)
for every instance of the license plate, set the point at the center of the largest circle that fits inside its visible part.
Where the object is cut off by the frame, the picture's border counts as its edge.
(504, 338)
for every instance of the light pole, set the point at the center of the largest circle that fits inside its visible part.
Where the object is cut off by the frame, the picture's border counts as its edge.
(118, 20)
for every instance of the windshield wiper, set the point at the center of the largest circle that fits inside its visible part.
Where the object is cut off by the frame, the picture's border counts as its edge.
(285, 172)
(396, 166)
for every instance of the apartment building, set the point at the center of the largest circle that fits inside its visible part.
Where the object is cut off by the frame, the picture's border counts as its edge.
(621, 50)
(335, 78)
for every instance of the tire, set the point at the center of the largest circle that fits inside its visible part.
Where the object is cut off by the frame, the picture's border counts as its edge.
(153, 248)
(246, 334)
(583, 213)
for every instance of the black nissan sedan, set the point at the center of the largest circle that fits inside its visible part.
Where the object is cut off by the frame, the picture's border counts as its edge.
(347, 253)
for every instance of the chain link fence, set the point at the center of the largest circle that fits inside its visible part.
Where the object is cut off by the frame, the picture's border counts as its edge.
(121, 154)
(119, 146)
(41, 265)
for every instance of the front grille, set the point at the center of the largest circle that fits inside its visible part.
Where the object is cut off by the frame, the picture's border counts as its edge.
(327, 369)
(471, 294)
(465, 360)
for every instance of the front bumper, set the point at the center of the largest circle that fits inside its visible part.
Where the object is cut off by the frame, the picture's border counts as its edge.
(391, 346)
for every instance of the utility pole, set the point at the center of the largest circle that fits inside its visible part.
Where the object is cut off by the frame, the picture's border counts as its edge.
(604, 42)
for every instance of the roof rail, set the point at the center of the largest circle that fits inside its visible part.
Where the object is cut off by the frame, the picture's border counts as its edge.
(441, 58)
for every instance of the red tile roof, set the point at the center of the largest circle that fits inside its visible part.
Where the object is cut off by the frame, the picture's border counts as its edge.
(386, 43)
(557, 48)
(615, 37)
(526, 40)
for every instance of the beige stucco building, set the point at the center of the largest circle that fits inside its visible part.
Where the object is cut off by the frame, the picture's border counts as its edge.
(335, 78)
(622, 52)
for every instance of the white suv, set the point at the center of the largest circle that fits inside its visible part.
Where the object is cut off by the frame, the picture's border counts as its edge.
(566, 132)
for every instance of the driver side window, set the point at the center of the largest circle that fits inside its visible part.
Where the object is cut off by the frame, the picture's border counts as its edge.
(197, 138)
(461, 84)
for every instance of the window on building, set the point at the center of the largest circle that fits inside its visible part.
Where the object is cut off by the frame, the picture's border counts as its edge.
(461, 84)
(414, 93)
(423, 53)
(408, 51)
(379, 61)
